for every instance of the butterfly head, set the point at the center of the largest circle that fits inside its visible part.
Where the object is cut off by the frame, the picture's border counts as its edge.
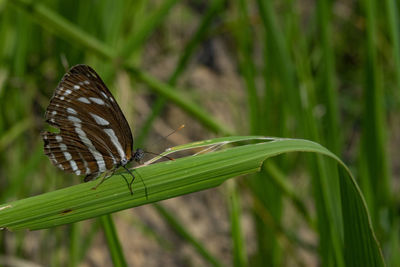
(138, 155)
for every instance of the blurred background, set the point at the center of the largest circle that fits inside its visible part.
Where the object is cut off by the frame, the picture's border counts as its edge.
(327, 71)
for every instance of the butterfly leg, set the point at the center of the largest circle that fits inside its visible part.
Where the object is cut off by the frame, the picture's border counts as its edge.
(131, 182)
(105, 175)
(128, 184)
(101, 181)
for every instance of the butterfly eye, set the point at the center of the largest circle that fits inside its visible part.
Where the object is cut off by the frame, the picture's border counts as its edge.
(139, 154)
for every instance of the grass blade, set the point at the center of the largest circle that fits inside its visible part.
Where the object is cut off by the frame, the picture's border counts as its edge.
(164, 180)
(392, 12)
(114, 246)
(246, 64)
(377, 191)
(185, 175)
(239, 250)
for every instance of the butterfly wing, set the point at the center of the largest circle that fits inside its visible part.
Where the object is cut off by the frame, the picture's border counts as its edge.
(94, 135)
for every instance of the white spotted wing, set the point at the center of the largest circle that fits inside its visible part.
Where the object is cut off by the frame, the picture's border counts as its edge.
(93, 135)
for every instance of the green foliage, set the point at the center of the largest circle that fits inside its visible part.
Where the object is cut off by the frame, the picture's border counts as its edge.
(328, 72)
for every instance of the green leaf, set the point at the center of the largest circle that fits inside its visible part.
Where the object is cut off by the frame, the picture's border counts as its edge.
(185, 175)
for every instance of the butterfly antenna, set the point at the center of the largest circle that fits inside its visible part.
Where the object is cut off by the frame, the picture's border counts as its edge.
(131, 182)
(165, 137)
(156, 154)
(174, 131)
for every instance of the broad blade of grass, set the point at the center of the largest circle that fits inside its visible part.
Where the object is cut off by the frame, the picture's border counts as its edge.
(173, 178)
(360, 248)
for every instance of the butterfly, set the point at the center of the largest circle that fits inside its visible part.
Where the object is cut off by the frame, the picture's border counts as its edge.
(93, 135)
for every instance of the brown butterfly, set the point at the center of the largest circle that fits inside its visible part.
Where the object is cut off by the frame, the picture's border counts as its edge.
(94, 136)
